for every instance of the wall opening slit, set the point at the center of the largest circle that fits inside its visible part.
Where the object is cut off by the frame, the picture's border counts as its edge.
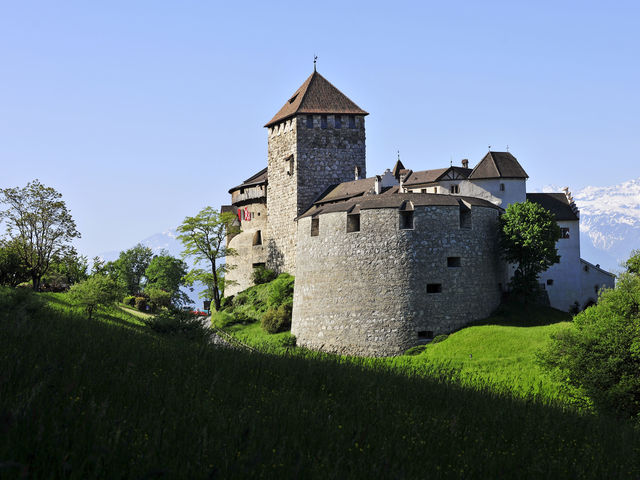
(315, 227)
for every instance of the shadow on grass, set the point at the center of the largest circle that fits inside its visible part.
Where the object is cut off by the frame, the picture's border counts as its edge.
(122, 403)
(515, 314)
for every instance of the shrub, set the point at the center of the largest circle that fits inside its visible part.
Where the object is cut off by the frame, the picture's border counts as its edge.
(278, 319)
(141, 304)
(417, 350)
(177, 323)
(94, 291)
(240, 299)
(281, 291)
(263, 275)
(159, 298)
(19, 302)
(601, 354)
(439, 338)
(288, 341)
(129, 300)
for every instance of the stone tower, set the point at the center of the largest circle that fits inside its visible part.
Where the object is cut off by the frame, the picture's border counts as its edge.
(316, 140)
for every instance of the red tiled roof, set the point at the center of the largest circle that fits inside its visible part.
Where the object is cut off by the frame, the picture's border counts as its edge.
(316, 95)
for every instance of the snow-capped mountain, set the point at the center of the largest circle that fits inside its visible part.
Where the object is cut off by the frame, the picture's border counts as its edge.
(609, 223)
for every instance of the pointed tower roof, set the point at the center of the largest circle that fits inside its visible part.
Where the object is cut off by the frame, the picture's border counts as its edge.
(316, 95)
(498, 165)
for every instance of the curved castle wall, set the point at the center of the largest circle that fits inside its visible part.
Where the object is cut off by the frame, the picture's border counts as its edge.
(365, 292)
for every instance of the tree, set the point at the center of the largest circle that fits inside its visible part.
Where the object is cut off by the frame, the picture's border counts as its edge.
(12, 270)
(130, 267)
(40, 225)
(633, 263)
(166, 273)
(600, 354)
(203, 238)
(96, 290)
(528, 236)
(66, 271)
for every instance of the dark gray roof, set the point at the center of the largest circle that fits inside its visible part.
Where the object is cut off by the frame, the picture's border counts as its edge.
(316, 95)
(556, 203)
(346, 190)
(392, 199)
(252, 181)
(432, 176)
(498, 165)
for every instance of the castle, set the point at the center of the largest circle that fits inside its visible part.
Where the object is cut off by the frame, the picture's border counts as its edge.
(389, 261)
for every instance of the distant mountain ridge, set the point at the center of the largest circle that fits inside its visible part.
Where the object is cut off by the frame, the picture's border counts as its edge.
(609, 222)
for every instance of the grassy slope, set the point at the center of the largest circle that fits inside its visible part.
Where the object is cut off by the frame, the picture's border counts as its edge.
(107, 398)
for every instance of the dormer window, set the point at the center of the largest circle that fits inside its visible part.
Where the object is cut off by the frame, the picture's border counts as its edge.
(454, 189)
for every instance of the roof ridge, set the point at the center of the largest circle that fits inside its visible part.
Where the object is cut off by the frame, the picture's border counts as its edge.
(495, 164)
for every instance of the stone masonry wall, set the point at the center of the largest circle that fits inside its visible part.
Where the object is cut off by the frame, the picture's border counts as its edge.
(328, 156)
(282, 194)
(321, 157)
(365, 293)
(240, 276)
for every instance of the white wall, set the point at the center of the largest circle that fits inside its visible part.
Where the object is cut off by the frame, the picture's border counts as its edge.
(592, 280)
(515, 190)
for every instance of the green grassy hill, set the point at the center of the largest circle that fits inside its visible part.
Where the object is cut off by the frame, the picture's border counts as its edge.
(110, 398)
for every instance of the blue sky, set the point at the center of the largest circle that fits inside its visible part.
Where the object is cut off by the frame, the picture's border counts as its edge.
(141, 113)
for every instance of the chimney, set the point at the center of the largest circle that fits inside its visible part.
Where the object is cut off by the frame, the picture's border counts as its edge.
(465, 163)
(378, 185)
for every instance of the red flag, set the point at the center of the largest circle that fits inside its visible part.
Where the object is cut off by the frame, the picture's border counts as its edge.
(247, 215)
(240, 214)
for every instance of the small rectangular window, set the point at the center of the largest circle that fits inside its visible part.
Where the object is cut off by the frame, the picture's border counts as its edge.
(564, 232)
(338, 121)
(406, 219)
(502, 187)
(425, 334)
(353, 222)
(323, 121)
(453, 262)
(257, 238)
(309, 121)
(352, 121)
(465, 216)
(434, 288)
(550, 282)
(315, 227)
(455, 189)
(586, 268)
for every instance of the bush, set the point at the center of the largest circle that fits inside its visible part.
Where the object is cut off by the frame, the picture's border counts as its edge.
(278, 319)
(129, 300)
(263, 275)
(177, 323)
(439, 338)
(288, 341)
(600, 356)
(281, 291)
(159, 298)
(417, 350)
(224, 318)
(19, 302)
(141, 304)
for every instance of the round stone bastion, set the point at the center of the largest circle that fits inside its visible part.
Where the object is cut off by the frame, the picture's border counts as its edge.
(379, 274)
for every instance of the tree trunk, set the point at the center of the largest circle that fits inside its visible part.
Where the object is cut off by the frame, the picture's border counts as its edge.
(35, 280)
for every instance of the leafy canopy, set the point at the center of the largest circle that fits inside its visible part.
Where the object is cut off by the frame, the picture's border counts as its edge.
(528, 236)
(204, 240)
(40, 226)
(166, 273)
(600, 356)
(96, 290)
